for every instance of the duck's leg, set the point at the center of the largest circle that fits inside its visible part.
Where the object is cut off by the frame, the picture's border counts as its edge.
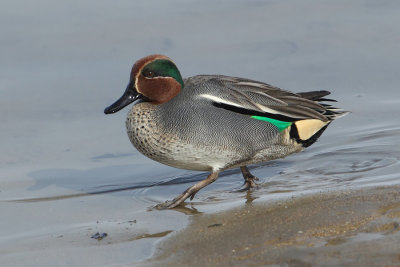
(191, 191)
(249, 179)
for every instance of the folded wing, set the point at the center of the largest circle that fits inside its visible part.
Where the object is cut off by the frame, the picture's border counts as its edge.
(261, 101)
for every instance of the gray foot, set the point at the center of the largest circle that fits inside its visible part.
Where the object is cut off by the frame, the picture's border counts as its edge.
(190, 192)
(249, 179)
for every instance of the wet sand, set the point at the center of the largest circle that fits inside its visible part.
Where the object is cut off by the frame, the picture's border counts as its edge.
(355, 228)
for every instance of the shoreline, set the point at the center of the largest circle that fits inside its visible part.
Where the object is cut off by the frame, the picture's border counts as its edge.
(354, 227)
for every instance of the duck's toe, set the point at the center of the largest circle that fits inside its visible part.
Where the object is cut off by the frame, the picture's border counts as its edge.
(249, 179)
(190, 192)
(249, 183)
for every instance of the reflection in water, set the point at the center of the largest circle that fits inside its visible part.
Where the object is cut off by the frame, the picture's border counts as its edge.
(186, 208)
(250, 197)
(161, 234)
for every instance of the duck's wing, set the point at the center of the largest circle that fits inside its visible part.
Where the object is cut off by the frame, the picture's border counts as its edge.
(261, 99)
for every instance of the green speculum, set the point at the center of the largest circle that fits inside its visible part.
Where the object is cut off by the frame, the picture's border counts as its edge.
(281, 125)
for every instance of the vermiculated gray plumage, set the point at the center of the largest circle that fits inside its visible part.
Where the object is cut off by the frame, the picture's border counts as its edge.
(207, 126)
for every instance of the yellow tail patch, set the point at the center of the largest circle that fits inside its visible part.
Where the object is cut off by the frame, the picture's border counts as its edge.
(307, 128)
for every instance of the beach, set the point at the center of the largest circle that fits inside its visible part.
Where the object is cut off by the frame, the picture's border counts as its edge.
(352, 228)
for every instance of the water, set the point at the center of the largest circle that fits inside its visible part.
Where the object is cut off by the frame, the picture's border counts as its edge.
(68, 171)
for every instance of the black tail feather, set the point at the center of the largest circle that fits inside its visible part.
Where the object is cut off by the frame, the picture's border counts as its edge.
(315, 95)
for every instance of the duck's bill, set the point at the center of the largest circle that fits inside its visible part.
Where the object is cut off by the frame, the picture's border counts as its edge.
(129, 96)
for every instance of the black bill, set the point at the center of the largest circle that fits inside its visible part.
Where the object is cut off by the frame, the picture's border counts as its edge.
(129, 96)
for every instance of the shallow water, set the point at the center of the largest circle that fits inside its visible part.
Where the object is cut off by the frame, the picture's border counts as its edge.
(68, 171)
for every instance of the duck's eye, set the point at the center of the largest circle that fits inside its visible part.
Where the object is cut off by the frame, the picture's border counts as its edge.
(148, 73)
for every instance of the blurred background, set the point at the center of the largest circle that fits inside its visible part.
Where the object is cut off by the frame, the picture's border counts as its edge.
(62, 63)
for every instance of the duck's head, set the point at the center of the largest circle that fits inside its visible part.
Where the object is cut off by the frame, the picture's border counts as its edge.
(154, 79)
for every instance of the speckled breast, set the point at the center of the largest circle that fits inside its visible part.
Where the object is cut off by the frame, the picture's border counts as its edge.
(145, 134)
(148, 135)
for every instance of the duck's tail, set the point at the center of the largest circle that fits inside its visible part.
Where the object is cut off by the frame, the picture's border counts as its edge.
(330, 112)
(308, 131)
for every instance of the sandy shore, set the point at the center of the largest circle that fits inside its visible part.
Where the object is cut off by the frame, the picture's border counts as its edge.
(356, 228)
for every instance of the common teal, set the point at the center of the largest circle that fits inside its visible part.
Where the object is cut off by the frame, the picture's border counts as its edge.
(215, 122)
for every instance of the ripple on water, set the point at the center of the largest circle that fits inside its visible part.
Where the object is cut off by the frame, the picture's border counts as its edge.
(367, 158)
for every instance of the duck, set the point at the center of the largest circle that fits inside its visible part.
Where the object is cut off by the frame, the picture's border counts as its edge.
(215, 122)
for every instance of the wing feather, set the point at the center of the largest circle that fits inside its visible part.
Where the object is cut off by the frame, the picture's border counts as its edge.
(247, 96)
